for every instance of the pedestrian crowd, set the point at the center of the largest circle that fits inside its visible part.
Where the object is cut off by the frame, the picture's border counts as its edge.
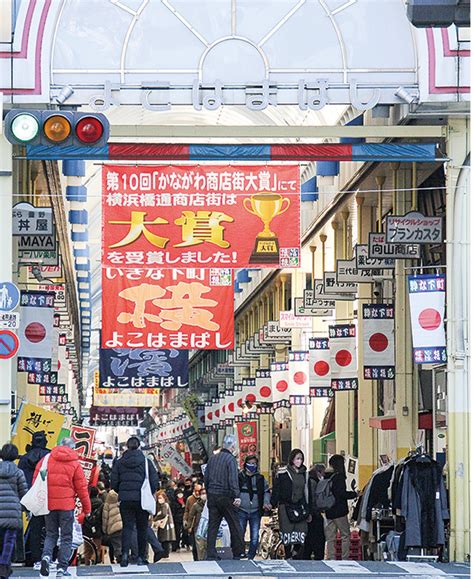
(134, 507)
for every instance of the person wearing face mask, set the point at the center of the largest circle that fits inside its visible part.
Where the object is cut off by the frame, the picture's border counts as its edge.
(163, 523)
(178, 506)
(186, 522)
(291, 494)
(336, 516)
(255, 500)
(199, 545)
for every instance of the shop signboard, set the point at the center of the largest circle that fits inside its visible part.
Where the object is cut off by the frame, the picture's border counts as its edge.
(414, 227)
(299, 309)
(31, 419)
(331, 285)
(380, 248)
(363, 260)
(289, 320)
(320, 294)
(29, 220)
(313, 299)
(182, 309)
(42, 243)
(247, 434)
(116, 416)
(169, 455)
(347, 272)
(232, 216)
(273, 333)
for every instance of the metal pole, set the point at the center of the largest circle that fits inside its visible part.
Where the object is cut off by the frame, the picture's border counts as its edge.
(380, 180)
(312, 248)
(323, 239)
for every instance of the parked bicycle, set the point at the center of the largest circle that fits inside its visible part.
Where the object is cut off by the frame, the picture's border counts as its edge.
(270, 544)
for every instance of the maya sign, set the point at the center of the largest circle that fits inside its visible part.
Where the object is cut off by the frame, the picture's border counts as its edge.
(201, 216)
(178, 309)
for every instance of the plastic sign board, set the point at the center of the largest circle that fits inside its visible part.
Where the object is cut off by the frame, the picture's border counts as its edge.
(9, 344)
(414, 227)
(9, 296)
(379, 248)
(29, 220)
(10, 320)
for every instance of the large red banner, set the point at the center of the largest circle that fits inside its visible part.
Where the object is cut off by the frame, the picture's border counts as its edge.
(183, 309)
(201, 216)
(247, 434)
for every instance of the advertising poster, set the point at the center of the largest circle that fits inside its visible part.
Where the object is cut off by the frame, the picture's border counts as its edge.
(201, 216)
(33, 419)
(247, 434)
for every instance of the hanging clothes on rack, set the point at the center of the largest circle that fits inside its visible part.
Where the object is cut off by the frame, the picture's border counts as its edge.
(423, 502)
(375, 494)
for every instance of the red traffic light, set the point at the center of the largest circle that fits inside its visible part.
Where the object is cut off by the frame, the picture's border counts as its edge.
(89, 130)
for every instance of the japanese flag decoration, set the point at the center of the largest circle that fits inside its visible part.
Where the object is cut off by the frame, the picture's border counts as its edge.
(36, 332)
(319, 363)
(238, 399)
(343, 350)
(378, 341)
(280, 382)
(248, 391)
(427, 299)
(298, 373)
(263, 386)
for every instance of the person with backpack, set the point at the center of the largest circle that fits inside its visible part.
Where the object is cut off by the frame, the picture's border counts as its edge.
(291, 494)
(92, 526)
(315, 542)
(334, 483)
(255, 500)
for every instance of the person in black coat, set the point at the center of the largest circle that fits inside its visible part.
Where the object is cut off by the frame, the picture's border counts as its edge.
(128, 474)
(336, 516)
(27, 463)
(12, 488)
(315, 541)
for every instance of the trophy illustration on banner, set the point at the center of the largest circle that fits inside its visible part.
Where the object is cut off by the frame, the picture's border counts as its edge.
(266, 206)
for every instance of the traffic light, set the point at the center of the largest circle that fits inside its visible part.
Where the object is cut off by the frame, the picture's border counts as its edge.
(56, 128)
(439, 13)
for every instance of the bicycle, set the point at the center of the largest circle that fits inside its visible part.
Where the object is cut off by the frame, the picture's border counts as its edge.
(78, 557)
(270, 543)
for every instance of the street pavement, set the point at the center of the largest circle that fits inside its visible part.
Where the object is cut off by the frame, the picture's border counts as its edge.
(268, 569)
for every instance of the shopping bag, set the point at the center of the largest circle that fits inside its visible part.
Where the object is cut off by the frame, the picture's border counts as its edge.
(148, 500)
(77, 537)
(201, 531)
(36, 499)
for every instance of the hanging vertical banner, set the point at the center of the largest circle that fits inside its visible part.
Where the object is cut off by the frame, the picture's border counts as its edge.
(343, 350)
(84, 437)
(319, 366)
(280, 383)
(201, 216)
(427, 307)
(247, 434)
(36, 325)
(298, 373)
(378, 341)
(169, 455)
(182, 309)
(248, 391)
(263, 385)
(143, 368)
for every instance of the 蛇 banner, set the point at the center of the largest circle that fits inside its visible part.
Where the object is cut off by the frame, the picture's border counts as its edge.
(201, 216)
(143, 368)
(185, 309)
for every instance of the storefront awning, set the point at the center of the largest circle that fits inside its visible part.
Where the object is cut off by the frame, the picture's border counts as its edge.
(425, 422)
